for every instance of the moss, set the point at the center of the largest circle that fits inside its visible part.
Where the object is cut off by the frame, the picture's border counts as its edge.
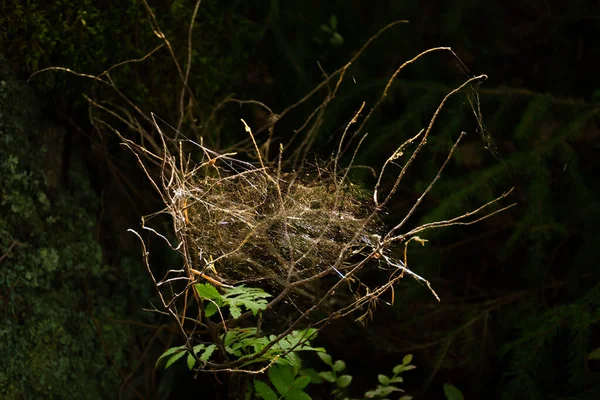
(53, 278)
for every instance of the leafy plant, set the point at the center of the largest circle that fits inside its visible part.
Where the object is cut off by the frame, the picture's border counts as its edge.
(333, 376)
(247, 344)
(252, 299)
(386, 386)
(244, 343)
(342, 382)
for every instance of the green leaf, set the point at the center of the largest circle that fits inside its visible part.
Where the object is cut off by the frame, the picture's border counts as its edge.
(174, 358)
(398, 369)
(326, 358)
(385, 390)
(407, 359)
(452, 392)
(344, 381)
(292, 360)
(235, 311)
(339, 366)
(397, 379)
(300, 383)
(328, 376)
(264, 391)
(208, 352)
(297, 395)
(312, 374)
(384, 380)
(333, 22)
(281, 377)
(297, 341)
(236, 340)
(252, 299)
(168, 353)
(210, 310)
(594, 355)
(191, 361)
(243, 342)
(196, 349)
(336, 39)
(207, 291)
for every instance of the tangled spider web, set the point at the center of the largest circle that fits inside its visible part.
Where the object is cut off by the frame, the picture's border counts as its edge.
(239, 223)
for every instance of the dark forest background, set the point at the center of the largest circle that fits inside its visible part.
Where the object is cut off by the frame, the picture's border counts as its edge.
(520, 291)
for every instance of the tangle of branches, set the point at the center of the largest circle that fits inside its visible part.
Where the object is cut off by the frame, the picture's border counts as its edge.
(302, 232)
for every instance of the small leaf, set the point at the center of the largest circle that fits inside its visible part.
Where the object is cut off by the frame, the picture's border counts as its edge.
(397, 379)
(336, 39)
(208, 352)
(384, 380)
(235, 311)
(452, 392)
(210, 310)
(312, 374)
(191, 361)
(326, 358)
(333, 22)
(300, 383)
(264, 391)
(252, 299)
(339, 366)
(384, 391)
(328, 376)
(197, 348)
(594, 355)
(168, 353)
(344, 381)
(281, 377)
(398, 369)
(174, 358)
(407, 359)
(405, 398)
(207, 291)
(297, 395)
(292, 359)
